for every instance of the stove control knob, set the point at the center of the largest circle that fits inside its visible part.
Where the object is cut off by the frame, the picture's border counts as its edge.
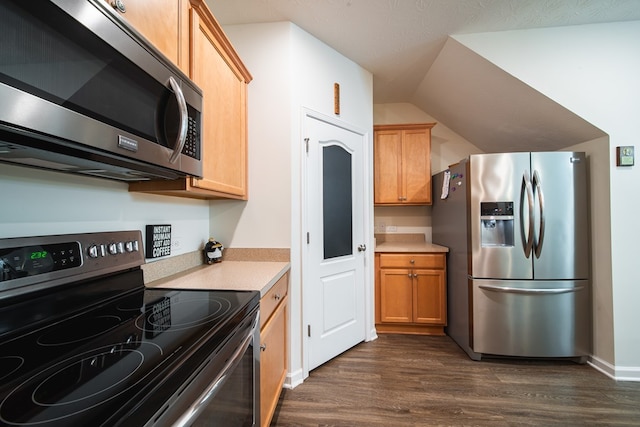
(128, 246)
(120, 247)
(113, 248)
(93, 251)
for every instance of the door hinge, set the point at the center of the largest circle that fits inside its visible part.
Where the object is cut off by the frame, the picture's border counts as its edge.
(309, 330)
(306, 141)
(307, 237)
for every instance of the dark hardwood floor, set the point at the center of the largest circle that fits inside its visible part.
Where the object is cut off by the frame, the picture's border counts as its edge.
(402, 380)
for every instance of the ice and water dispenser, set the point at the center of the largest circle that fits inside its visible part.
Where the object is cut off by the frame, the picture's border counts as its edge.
(496, 223)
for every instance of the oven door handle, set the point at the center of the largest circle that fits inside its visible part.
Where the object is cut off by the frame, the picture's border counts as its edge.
(194, 409)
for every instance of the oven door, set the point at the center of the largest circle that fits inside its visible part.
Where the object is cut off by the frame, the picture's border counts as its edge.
(224, 390)
(74, 76)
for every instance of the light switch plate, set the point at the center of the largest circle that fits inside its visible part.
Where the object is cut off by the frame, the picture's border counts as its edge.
(624, 156)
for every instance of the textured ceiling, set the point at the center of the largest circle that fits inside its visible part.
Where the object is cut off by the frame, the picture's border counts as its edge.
(398, 41)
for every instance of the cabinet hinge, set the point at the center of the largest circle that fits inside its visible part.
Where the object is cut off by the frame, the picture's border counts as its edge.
(306, 141)
(309, 330)
(307, 237)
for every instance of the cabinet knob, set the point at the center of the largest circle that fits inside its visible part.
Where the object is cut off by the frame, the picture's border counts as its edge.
(263, 347)
(277, 297)
(119, 5)
(412, 261)
(362, 248)
(415, 275)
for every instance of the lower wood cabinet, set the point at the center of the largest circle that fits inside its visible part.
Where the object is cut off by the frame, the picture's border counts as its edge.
(273, 346)
(411, 293)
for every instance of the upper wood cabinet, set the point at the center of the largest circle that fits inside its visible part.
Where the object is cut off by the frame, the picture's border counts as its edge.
(216, 68)
(402, 164)
(162, 22)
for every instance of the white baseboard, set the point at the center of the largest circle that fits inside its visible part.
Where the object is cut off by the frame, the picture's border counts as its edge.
(293, 379)
(618, 373)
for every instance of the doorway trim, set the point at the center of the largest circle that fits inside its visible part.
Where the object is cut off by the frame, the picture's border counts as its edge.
(367, 149)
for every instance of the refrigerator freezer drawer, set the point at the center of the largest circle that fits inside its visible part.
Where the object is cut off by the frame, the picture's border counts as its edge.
(531, 318)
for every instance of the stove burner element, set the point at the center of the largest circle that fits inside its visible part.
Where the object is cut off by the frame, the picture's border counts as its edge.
(9, 365)
(191, 312)
(73, 386)
(78, 331)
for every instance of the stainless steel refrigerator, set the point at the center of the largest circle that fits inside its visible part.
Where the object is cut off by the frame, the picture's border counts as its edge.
(516, 225)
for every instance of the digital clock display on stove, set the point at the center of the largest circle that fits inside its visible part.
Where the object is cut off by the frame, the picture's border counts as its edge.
(39, 254)
(19, 262)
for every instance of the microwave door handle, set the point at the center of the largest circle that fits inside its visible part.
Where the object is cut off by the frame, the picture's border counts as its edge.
(540, 195)
(184, 120)
(526, 188)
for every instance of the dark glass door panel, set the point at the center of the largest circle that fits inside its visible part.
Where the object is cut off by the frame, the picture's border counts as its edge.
(337, 202)
(70, 66)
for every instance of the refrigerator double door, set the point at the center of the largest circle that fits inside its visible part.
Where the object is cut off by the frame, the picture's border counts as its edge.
(545, 237)
(528, 268)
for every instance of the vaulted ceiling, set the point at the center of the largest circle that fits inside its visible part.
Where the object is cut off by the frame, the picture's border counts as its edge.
(405, 44)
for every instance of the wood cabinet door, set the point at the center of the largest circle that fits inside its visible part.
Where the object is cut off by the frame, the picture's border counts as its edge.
(387, 167)
(224, 127)
(429, 303)
(416, 166)
(273, 362)
(159, 21)
(402, 164)
(396, 296)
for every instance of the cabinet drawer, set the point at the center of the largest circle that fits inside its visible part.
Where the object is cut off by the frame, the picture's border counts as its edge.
(412, 261)
(270, 301)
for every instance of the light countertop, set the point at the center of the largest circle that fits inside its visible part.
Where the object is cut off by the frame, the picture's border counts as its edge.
(227, 275)
(410, 247)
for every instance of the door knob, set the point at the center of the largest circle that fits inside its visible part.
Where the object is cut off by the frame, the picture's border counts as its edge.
(362, 248)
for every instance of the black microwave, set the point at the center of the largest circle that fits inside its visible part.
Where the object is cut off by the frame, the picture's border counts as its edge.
(83, 92)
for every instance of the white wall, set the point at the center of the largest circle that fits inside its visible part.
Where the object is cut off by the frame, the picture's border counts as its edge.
(593, 71)
(602, 293)
(264, 221)
(293, 72)
(37, 202)
(447, 147)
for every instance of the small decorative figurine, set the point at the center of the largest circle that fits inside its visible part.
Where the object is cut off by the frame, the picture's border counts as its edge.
(213, 251)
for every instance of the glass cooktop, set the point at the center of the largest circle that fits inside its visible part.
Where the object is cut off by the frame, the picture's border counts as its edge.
(107, 353)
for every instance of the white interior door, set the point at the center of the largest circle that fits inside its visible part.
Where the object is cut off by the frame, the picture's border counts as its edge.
(334, 279)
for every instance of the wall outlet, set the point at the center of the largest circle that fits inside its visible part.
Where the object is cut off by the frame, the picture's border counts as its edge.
(380, 227)
(392, 229)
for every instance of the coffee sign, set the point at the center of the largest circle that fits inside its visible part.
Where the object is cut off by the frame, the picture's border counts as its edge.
(157, 241)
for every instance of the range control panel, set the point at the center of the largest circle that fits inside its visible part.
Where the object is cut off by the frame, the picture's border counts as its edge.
(25, 261)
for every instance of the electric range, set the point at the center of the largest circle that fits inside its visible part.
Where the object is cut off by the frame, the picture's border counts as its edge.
(83, 342)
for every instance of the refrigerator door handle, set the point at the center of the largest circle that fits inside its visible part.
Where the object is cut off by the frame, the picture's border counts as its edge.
(528, 240)
(534, 291)
(538, 191)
